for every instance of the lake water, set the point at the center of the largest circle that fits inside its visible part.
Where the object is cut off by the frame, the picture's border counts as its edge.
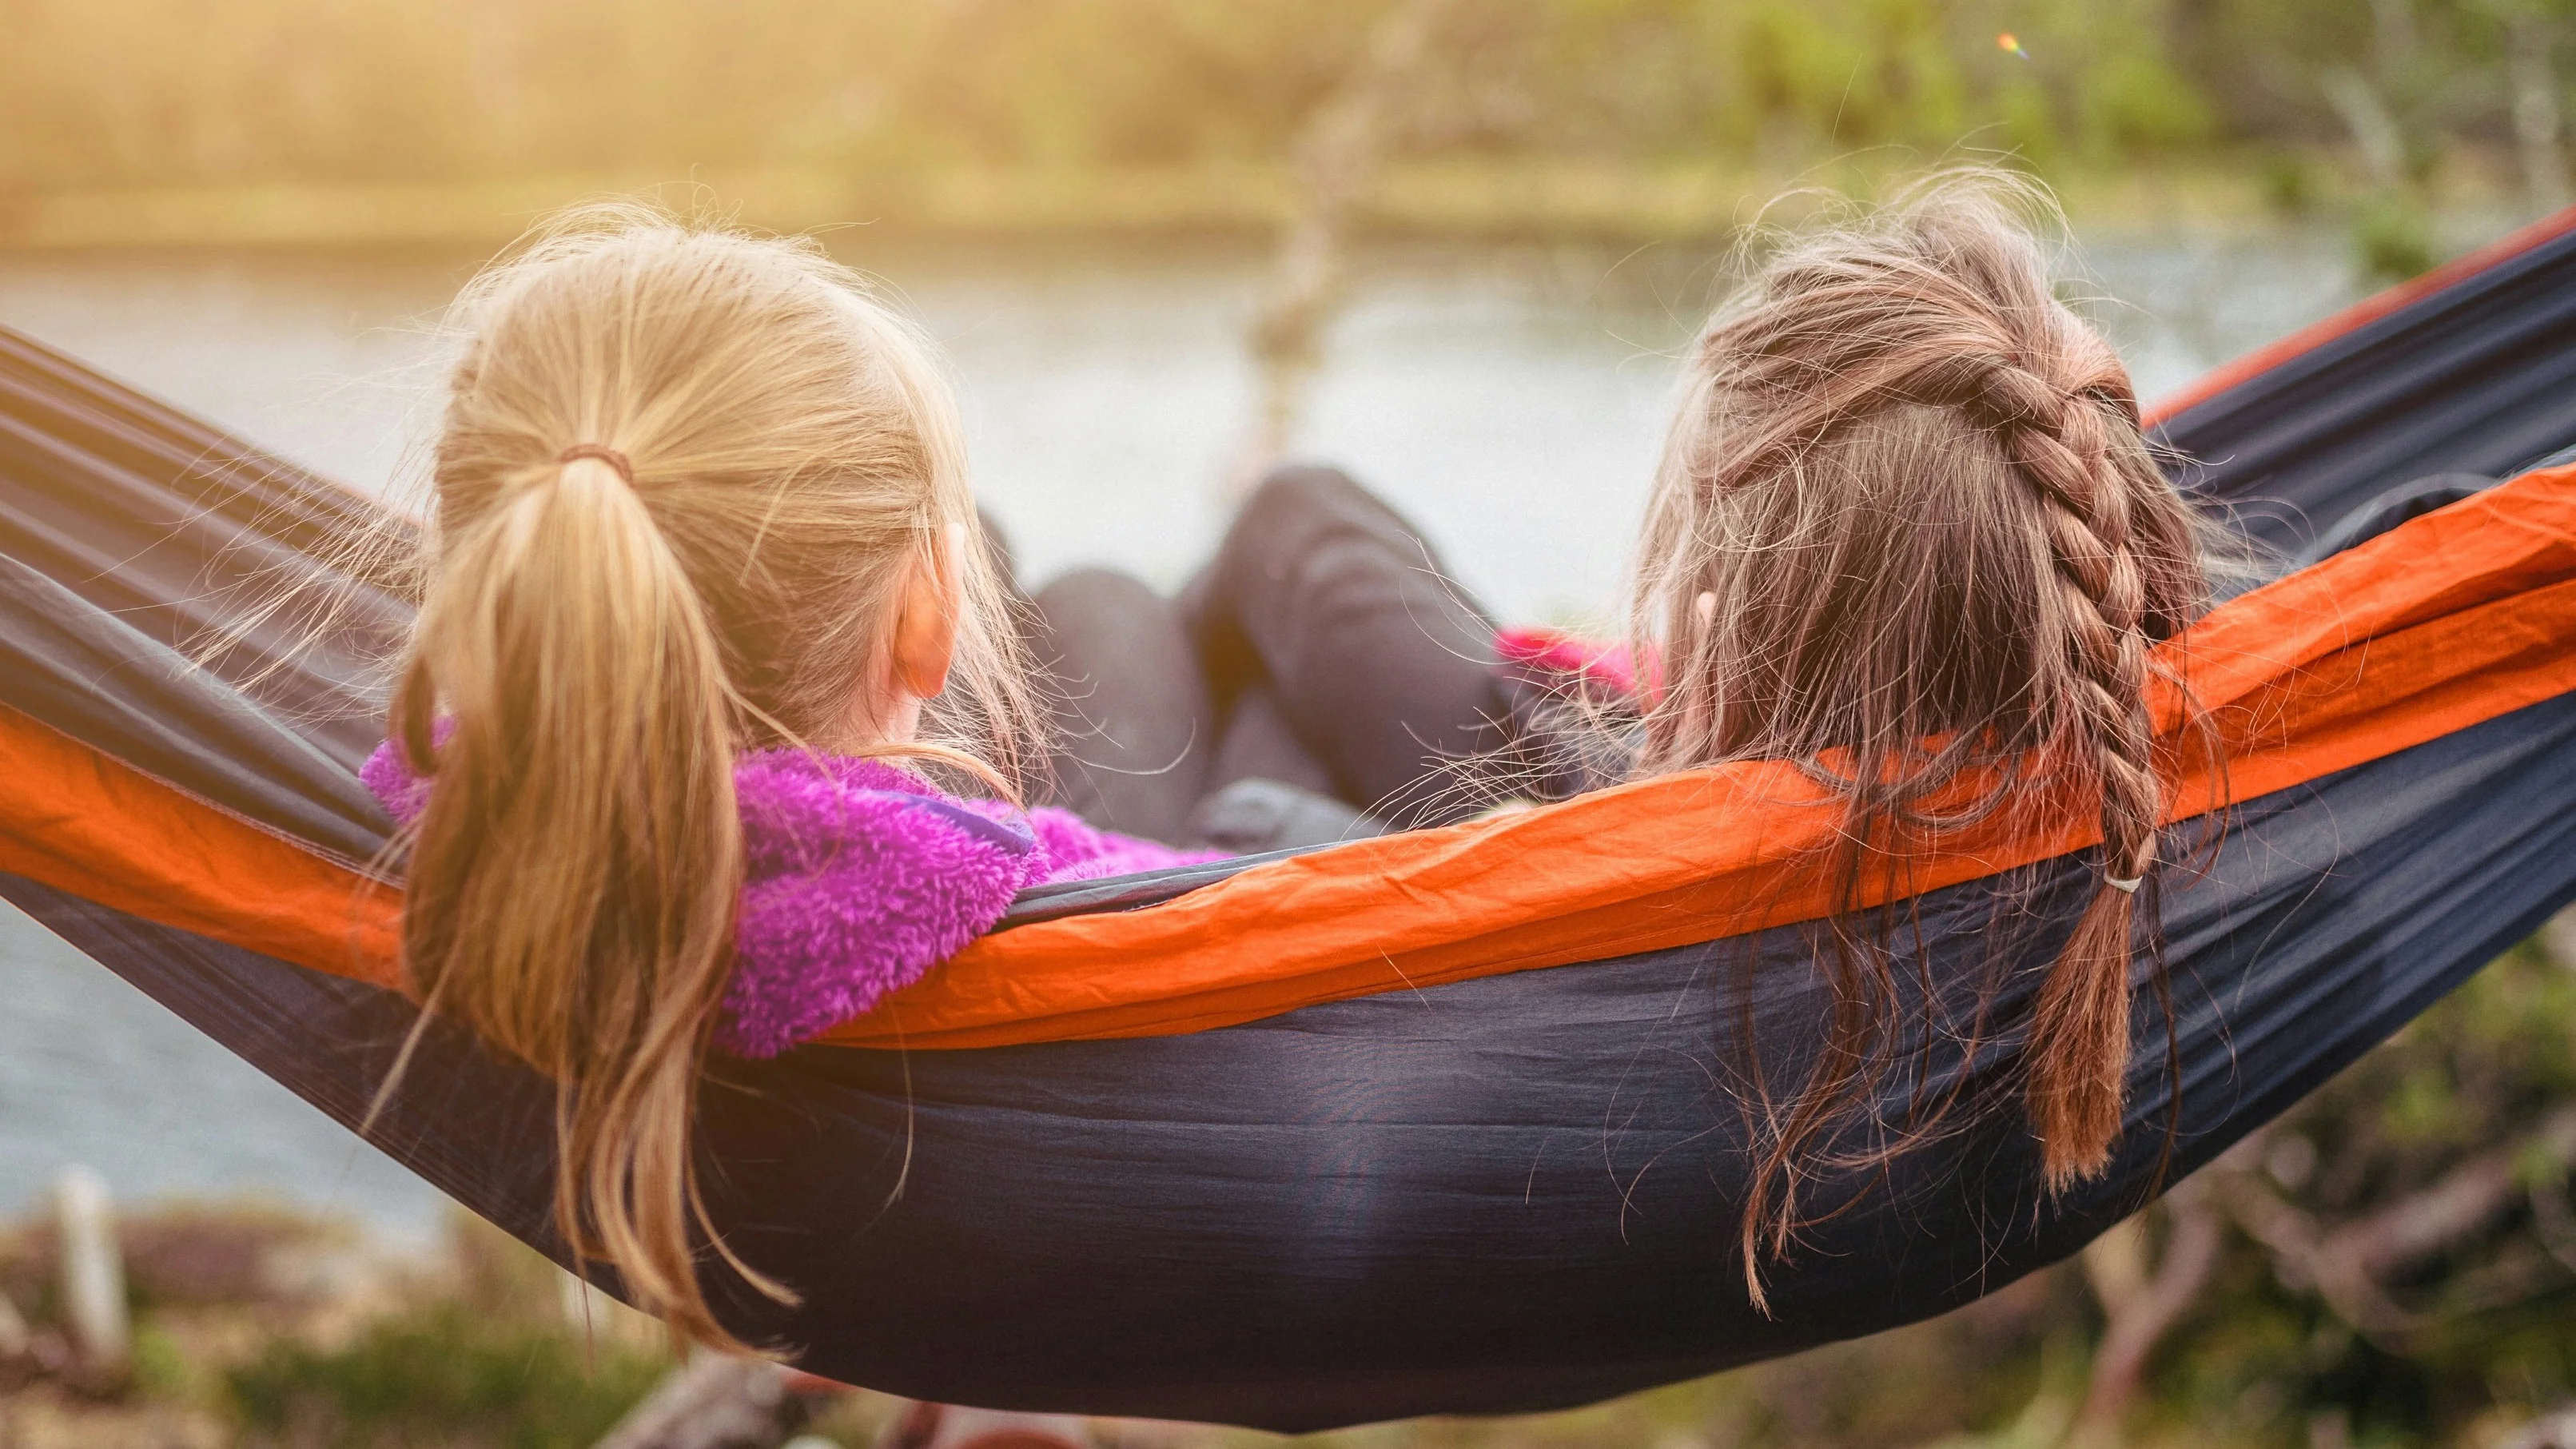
(1510, 401)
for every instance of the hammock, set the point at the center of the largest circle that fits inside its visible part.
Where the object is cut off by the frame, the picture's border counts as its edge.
(1315, 1141)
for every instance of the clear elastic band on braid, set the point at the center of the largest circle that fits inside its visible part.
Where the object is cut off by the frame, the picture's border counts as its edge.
(2126, 885)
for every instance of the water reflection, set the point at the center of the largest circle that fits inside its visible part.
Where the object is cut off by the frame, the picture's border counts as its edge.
(1511, 400)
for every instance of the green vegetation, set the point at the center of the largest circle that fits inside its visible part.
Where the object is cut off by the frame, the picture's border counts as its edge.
(484, 1357)
(258, 1327)
(157, 92)
(2392, 241)
(442, 1373)
(385, 120)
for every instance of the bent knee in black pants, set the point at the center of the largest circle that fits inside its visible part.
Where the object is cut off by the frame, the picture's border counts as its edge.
(1136, 727)
(1380, 664)
(1324, 647)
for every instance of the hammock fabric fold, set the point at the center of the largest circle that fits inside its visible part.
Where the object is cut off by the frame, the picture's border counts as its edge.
(1310, 1141)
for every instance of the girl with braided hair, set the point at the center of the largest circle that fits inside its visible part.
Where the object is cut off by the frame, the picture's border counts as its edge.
(1907, 531)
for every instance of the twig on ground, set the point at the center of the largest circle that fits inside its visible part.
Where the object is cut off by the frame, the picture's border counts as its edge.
(714, 1401)
(92, 1275)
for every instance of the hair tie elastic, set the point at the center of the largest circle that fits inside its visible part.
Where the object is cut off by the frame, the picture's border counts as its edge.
(603, 453)
(2125, 885)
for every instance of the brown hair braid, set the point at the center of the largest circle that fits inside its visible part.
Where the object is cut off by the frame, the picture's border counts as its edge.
(1907, 531)
(2061, 442)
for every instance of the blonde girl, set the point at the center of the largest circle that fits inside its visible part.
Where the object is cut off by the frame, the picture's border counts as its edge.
(704, 556)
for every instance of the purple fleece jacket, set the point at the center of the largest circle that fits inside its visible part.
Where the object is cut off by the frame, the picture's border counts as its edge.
(859, 877)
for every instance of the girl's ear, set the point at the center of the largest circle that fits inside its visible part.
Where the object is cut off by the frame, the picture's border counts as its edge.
(925, 626)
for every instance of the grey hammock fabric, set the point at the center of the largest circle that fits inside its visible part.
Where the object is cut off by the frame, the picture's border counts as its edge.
(1512, 1193)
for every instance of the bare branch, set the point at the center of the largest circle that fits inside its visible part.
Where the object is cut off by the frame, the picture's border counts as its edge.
(2374, 130)
(2348, 1265)
(2424, 1224)
(2553, 1430)
(2141, 1307)
(1338, 157)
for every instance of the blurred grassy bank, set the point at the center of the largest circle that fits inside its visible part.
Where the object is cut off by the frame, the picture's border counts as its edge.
(1475, 199)
(231, 122)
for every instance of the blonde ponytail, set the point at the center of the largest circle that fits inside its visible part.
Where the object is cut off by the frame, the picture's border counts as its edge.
(580, 849)
(681, 477)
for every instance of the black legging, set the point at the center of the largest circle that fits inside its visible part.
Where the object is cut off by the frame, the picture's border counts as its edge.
(1323, 647)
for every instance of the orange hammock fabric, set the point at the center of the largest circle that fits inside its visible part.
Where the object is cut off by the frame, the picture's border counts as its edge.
(2451, 620)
